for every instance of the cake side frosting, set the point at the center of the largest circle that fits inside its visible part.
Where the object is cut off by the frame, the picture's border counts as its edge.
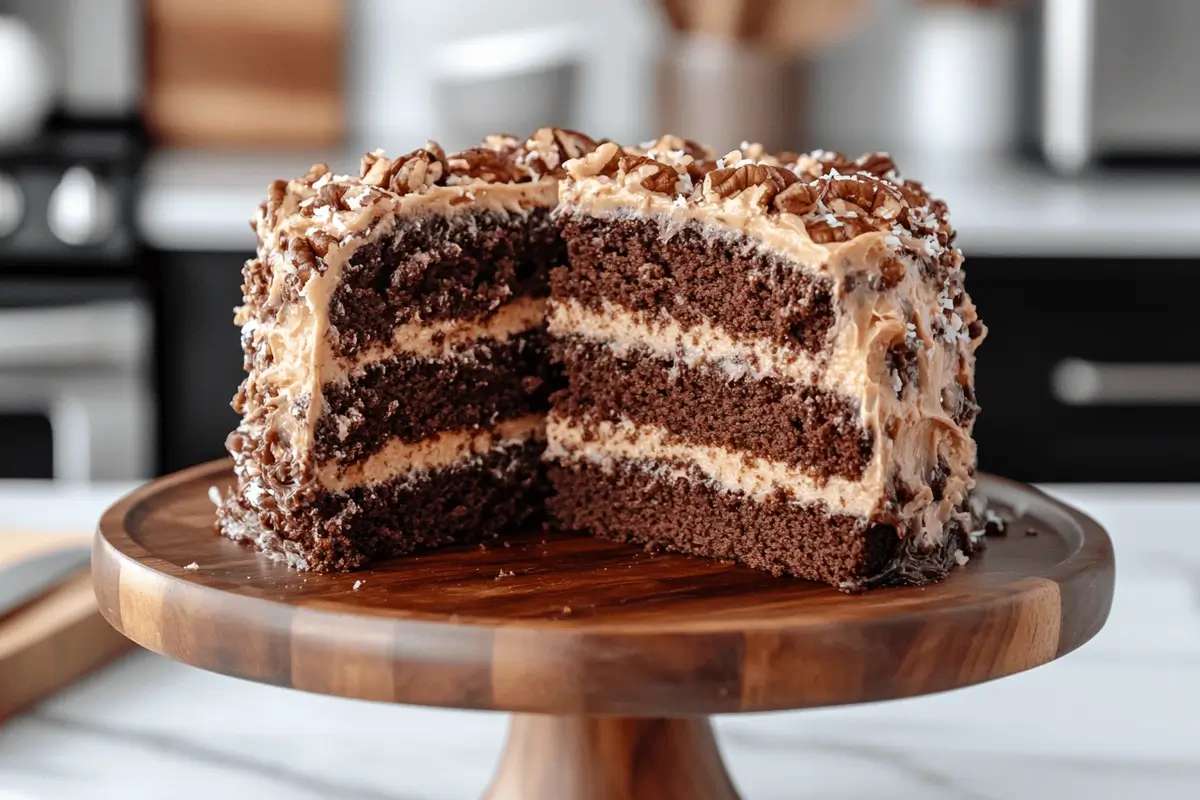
(303, 344)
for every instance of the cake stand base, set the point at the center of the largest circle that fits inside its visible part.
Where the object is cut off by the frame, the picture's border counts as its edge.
(611, 657)
(610, 758)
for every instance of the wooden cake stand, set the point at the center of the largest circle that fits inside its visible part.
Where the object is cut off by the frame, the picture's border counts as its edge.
(611, 657)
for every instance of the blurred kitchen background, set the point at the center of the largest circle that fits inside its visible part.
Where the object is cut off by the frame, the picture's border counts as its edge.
(137, 136)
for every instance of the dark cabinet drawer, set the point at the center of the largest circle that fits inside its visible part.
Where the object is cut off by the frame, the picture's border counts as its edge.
(1091, 369)
(200, 350)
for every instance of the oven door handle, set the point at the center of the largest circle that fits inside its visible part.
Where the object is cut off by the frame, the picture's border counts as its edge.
(1079, 382)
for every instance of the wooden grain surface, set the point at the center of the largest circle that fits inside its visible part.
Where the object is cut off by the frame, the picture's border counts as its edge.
(571, 625)
(55, 640)
(227, 73)
(610, 758)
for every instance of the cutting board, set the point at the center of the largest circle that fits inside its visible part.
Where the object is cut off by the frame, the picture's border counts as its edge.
(56, 639)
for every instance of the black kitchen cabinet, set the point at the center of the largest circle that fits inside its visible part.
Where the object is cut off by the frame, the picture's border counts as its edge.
(200, 354)
(1134, 321)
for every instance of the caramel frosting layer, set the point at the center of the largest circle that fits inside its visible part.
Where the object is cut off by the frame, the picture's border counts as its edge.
(447, 449)
(607, 444)
(662, 336)
(443, 339)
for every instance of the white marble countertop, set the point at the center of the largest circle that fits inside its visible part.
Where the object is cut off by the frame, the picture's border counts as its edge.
(1119, 718)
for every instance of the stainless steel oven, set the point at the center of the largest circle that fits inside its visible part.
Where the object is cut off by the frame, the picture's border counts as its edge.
(1118, 80)
(76, 390)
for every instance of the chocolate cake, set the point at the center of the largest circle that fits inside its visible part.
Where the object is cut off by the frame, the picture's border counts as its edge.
(760, 358)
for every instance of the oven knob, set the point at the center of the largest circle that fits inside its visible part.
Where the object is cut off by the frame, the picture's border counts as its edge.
(12, 205)
(82, 209)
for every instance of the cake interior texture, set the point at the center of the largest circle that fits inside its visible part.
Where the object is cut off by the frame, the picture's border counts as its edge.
(759, 358)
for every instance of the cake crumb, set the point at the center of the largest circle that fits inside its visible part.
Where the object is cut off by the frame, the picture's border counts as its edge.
(507, 545)
(504, 574)
(192, 566)
(358, 585)
(482, 547)
(566, 609)
(960, 558)
(214, 495)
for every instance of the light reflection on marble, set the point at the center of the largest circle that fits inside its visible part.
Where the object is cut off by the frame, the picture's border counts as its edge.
(1119, 718)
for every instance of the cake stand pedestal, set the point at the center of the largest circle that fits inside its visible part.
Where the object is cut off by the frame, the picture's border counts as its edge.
(611, 657)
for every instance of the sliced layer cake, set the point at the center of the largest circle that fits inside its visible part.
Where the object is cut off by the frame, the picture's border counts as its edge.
(393, 331)
(754, 358)
(768, 360)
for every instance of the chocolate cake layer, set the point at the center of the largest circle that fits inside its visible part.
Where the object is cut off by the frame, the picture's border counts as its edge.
(631, 504)
(696, 277)
(466, 503)
(412, 397)
(435, 267)
(802, 426)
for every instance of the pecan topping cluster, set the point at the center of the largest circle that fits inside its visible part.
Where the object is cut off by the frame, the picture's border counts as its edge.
(838, 198)
(730, 181)
(489, 164)
(694, 157)
(549, 148)
(654, 176)
(408, 174)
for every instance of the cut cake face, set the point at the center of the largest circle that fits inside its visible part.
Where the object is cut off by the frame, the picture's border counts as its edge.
(769, 359)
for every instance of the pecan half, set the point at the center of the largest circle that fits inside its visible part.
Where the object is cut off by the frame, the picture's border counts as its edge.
(368, 162)
(501, 142)
(276, 194)
(679, 145)
(549, 148)
(315, 173)
(823, 231)
(416, 171)
(487, 164)
(700, 167)
(331, 195)
(800, 198)
(733, 180)
(320, 242)
(868, 195)
(878, 164)
(661, 178)
(301, 255)
(823, 162)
